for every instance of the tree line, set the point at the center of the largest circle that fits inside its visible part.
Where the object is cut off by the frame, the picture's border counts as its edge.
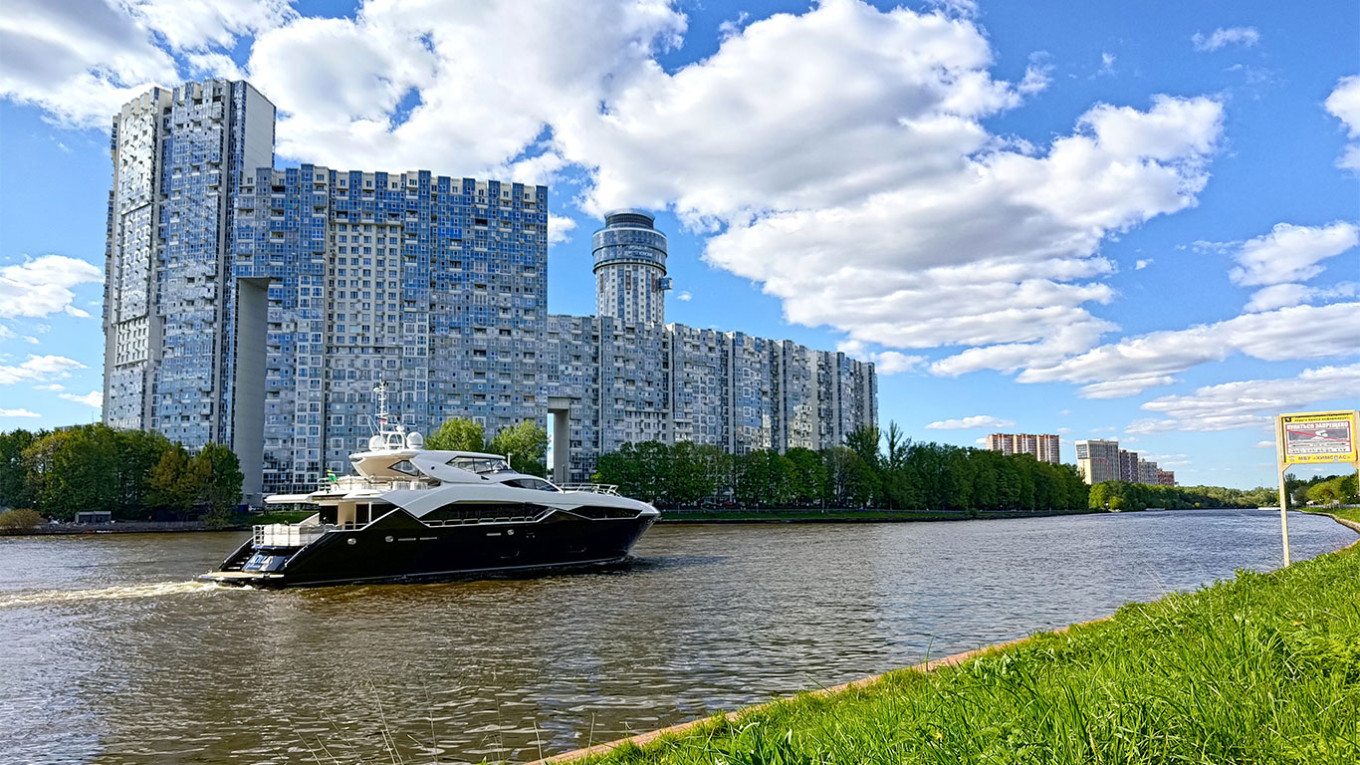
(878, 469)
(1125, 496)
(133, 474)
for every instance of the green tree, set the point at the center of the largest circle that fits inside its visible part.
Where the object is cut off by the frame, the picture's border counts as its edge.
(526, 444)
(72, 469)
(138, 453)
(215, 474)
(169, 487)
(458, 434)
(13, 491)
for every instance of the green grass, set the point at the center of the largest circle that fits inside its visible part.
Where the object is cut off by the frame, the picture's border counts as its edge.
(1264, 668)
(1345, 513)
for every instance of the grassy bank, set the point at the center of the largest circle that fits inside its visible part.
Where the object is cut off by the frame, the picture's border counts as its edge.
(835, 515)
(1351, 514)
(1261, 669)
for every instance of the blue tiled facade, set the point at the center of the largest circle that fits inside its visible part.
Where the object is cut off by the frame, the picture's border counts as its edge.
(435, 285)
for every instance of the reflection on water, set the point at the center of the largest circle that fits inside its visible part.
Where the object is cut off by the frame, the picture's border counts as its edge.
(113, 655)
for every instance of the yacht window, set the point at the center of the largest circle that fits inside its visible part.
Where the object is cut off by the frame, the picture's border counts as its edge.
(537, 484)
(479, 465)
(406, 467)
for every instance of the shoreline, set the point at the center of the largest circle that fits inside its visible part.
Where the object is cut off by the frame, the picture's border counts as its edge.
(927, 667)
(671, 517)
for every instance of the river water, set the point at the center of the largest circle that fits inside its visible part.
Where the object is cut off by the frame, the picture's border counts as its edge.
(110, 654)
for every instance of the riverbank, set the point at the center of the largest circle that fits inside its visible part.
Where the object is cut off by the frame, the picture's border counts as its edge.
(842, 515)
(245, 523)
(1264, 668)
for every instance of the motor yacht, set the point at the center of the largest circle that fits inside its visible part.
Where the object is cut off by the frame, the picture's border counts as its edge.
(414, 514)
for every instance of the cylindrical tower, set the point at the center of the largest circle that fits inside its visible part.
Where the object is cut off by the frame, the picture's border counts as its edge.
(630, 268)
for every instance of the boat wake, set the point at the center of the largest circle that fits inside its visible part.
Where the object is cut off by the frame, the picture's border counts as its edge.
(125, 592)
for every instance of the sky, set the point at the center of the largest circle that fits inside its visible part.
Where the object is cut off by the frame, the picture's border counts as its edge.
(1129, 220)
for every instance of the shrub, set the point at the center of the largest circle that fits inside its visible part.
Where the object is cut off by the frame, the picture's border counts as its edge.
(23, 518)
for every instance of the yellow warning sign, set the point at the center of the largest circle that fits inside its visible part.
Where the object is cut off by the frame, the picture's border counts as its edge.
(1307, 437)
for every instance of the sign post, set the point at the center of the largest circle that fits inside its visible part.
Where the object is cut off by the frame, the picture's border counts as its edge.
(1310, 437)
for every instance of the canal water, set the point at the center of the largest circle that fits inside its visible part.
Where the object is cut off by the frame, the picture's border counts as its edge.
(110, 654)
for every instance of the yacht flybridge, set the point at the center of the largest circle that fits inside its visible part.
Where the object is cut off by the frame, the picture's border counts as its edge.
(414, 514)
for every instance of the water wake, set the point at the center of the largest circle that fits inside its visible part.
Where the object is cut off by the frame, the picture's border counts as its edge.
(123, 592)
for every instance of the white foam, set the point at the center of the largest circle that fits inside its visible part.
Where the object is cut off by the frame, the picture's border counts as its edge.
(124, 592)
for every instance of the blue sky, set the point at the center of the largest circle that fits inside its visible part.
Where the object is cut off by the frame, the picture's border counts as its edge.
(1125, 220)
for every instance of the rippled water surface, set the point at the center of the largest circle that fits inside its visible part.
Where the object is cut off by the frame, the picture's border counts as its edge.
(111, 655)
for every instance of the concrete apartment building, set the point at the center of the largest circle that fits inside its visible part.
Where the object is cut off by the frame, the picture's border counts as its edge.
(1045, 448)
(1099, 460)
(258, 307)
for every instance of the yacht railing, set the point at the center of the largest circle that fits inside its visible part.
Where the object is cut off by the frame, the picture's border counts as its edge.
(287, 534)
(353, 482)
(594, 488)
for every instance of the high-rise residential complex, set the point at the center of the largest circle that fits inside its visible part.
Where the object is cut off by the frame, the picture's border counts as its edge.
(1045, 448)
(1098, 460)
(1104, 461)
(259, 307)
(630, 269)
(178, 157)
(1128, 466)
(434, 285)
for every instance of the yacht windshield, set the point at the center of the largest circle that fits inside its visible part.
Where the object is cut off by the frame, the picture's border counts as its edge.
(480, 465)
(538, 484)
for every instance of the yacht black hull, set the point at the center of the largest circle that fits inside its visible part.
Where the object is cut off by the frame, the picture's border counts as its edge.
(400, 548)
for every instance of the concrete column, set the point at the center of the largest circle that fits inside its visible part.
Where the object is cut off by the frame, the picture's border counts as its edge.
(247, 439)
(559, 408)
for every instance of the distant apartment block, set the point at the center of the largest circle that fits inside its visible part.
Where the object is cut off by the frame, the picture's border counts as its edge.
(259, 307)
(1045, 448)
(1099, 460)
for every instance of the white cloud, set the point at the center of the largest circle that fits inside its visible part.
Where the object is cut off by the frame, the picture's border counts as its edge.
(1265, 444)
(683, 296)
(1344, 104)
(6, 333)
(38, 368)
(976, 421)
(1244, 36)
(1134, 364)
(452, 86)
(1139, 265)
(1284, 295)
(52, 387)
(94, 398)
(1106, 64)
(1291, 253)
(18, 413)
(42, 286)
(885, 362)
(1248, 403)
(995, 249)
(31, 340)
(560, 228)
(1038, 75)
(80, 60)
(198, 24)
